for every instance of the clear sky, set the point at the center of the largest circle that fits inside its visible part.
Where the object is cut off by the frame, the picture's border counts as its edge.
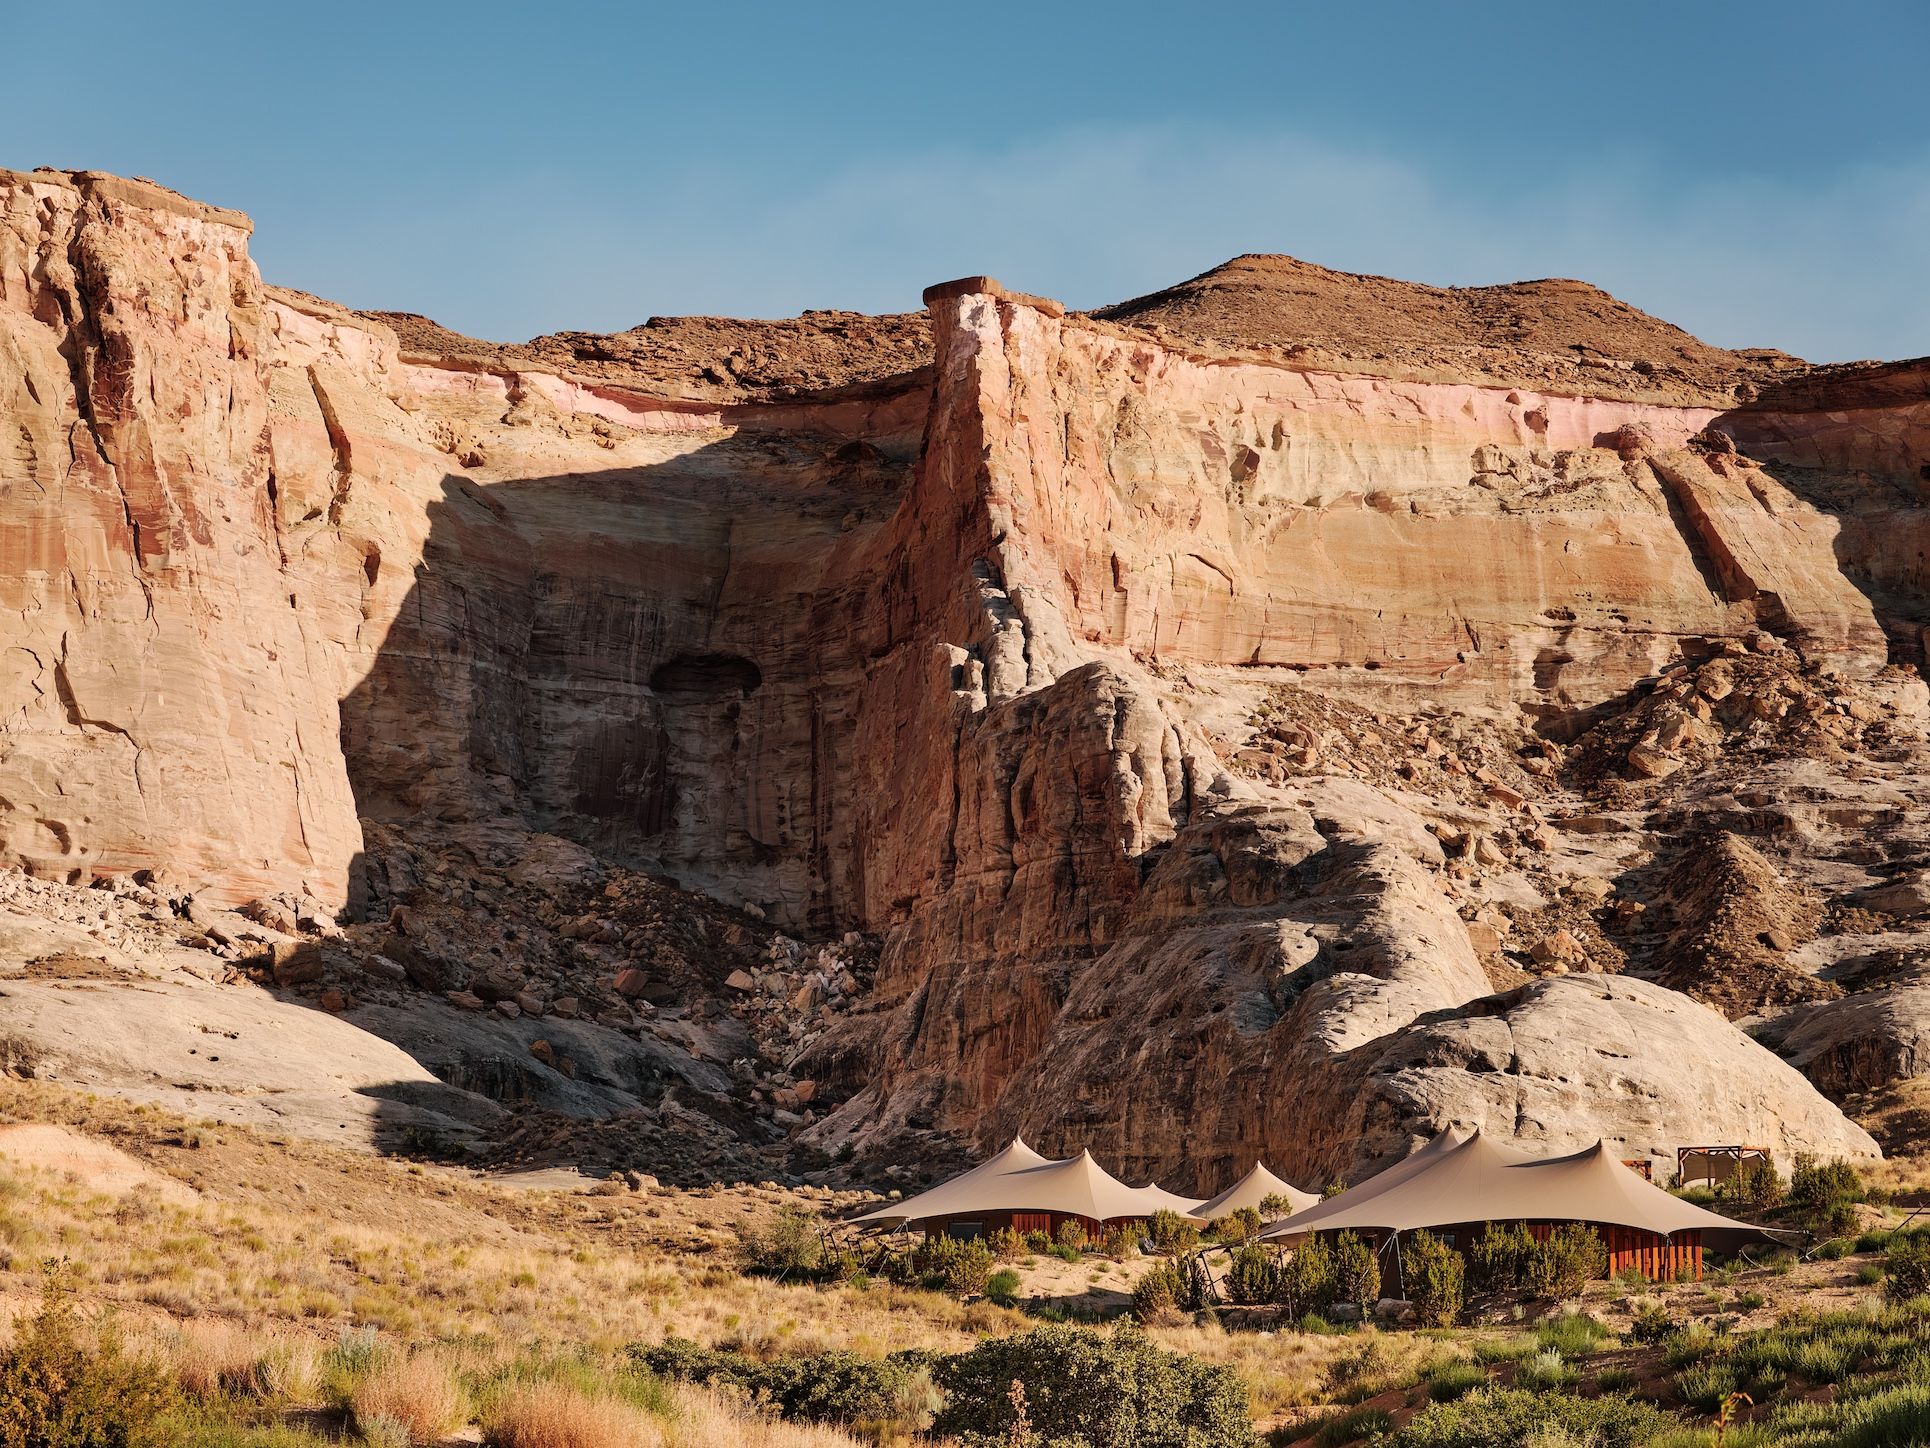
(1756, 172)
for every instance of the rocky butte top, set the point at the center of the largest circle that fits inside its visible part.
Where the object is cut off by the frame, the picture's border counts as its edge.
(1558, 336)
(1555, 335)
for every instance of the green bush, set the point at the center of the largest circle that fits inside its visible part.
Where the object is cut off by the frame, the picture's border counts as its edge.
(1510, 1417)
(1755, 1185)
(1453, 1378)
(1002, 1287)
(1572, 1257)
(1907, 1266)
(1117, 1242)
(1691, 1344)
(1252, 1276)
(1037, 1241)
(1572, 1334)
(830, 1387)
(1099, 1390)
(1498, 1259)
(1356, 1272)
(1274, 1206)
(1704, 1386)
(1158, 1293)
(952, 1264)
(1006, 1244)
(1822, 1193)
(1070, 1233)
(1241, 1226)
(1651, 1324)
(1308, 1280)
(1171, 1233)
(60, 1390)
(1433, 1273)
(1354, 1426)
(1544, 1371)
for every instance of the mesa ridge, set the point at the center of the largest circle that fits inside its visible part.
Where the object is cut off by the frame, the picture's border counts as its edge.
(1273, 713)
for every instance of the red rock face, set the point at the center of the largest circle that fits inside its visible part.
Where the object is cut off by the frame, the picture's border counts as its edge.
(163, 704)
(950, 657)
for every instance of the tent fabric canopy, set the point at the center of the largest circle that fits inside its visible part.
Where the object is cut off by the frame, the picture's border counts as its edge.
(1018, 1179)
(1452, 1181)
(1249, 1191)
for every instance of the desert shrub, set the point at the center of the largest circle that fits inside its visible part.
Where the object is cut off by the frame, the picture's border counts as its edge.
(1544, 1371)
(1572, 1334)
(1274, 1206)
(1498, 1259)
(1070, 1233)
(1037, 1241)
(64, 1384)
(1157, 1294)
(952, 1264)
(791, 1245)
(1006, 1244)
(1241, 1226)
(1100, 1390)
(1003, 1287)
(1756, 1185)
(1506, 1349)
(1880, 1419)
(1117, 1242)
(1354, 1426)
(1691, 1344)
(415, 1398)
(1651, 1323)
(1308, 1281)
(1169, 1232)
(1568, 1260)
(1252, 1276)
(1704, 1386)
(1510, 1417)
(829, 1387)
(1822, 1193)
(1869, 1273)
(1453, 1378)
(1434, 1275)
(1907, 1267)
(1063, 1251)
(1356, 1272)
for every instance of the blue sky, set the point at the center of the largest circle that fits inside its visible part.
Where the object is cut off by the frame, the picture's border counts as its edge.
(1758, 173)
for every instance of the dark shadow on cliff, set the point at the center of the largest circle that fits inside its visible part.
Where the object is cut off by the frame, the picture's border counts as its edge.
(1882, 543)
(576, 685)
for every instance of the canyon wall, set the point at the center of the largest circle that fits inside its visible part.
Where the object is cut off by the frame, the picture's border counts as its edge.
(959, 659)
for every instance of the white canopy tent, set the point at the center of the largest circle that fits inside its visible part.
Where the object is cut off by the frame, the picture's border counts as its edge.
(1019, 1180)
(1251, 1190)
(1460, 1183)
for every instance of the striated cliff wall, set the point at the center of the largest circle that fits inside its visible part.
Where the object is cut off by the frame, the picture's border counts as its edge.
(959, 657)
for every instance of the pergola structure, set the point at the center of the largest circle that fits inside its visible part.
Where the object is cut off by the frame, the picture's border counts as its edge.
(1714, 1165)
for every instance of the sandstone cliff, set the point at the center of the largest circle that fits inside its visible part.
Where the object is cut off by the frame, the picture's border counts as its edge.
(1193, 723)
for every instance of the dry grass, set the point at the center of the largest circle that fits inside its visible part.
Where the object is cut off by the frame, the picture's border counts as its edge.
(415, 1396)
(281, 1240)
(558, 1415)
(213, 1356)
(704, 1419)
